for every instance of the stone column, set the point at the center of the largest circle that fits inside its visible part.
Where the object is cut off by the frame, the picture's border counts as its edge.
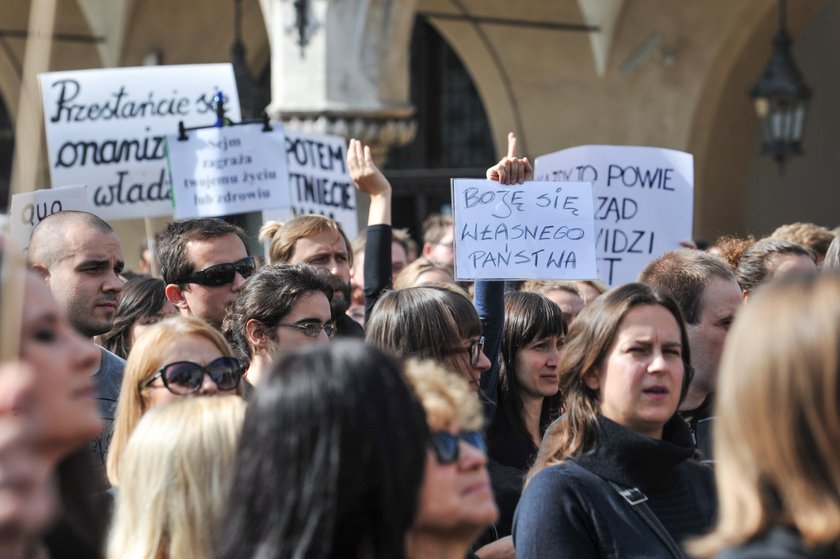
(341, 67)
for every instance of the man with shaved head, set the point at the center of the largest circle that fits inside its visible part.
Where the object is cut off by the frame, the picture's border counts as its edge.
(80, 258)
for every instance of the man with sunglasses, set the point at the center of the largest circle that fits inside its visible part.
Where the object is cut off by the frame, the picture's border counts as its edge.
(204, 262)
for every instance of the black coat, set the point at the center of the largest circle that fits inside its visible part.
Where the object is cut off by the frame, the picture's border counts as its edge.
(779, 543)
(571, 510)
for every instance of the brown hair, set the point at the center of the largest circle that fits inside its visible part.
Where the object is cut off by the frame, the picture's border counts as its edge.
(809, 235)
(283, 236)
(757, 263)
(411, 273)
(778, 416)
(435, 227)
(589, 338)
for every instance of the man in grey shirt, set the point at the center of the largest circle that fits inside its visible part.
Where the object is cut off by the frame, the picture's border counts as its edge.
(80, 258)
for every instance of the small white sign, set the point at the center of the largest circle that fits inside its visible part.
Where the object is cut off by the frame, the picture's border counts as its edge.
(319, 182)
(536, 230)
(644, 201)
(229, 170)
(29, 208)
(105, 129)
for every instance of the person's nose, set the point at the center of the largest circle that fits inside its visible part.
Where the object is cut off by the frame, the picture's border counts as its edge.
(483, 362)
(113, 284)
(470, 457)
(238, 281)
(658, 362)
(208, 387)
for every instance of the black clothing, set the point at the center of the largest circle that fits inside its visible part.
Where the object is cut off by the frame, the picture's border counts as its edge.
(571, 510)
(346, 327)
(700, 421)
(377, 271)
(779, 543)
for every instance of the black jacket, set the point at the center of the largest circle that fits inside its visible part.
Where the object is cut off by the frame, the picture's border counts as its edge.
(571, 510)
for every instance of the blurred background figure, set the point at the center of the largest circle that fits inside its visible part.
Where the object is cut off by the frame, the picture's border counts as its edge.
(174, 476)
(777, 457)
(330, 461)
(565, 294)
(424, 271)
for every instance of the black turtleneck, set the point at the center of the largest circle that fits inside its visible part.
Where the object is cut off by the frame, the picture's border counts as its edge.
(571, 511)
(633, 460)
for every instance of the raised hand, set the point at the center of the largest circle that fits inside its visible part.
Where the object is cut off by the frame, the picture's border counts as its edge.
(364, 172)
(511, 169)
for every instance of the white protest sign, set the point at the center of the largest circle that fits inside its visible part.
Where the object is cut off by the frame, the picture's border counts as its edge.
(644, 201)
(29, 208)
(226, 171)
(105, 129)
(319, 182)
(536, 230)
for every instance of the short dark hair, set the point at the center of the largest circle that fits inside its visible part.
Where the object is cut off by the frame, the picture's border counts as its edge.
(42, 246)
(754, 266)
(684, 274)
(268, 296)
(171, 243)
(330, 461)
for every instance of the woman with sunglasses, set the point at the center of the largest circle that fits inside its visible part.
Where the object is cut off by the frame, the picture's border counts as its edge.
(174, 473)
(431, 322)
(456, 501)
(614, 476)
(175, 358)
(330, 460)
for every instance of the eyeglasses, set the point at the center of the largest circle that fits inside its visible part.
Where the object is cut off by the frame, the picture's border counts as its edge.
(222, 274)
(313, 329)
(474, 349)
(447, 446)
(185, 377)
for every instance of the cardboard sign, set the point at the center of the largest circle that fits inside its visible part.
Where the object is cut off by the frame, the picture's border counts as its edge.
(226, 171)
(319, 182)
(644, 201)
(105, 129)
(536, 230)
(29, 208)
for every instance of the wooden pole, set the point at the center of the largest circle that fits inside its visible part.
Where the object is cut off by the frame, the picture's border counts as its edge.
(28, 135)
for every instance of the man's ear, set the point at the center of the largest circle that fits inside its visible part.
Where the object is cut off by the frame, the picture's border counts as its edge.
(255, 334)
(42, 271)
(176, 297)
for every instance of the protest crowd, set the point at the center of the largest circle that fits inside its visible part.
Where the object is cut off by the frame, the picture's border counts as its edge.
(358, 398)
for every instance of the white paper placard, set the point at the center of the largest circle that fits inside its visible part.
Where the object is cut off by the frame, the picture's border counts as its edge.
(319, 182)
(29, 208)
(536, 230)
(105, 129)
(226, 171)
(644, 201)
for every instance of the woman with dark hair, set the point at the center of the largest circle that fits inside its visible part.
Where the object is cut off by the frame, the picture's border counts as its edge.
(330, 461)
(431, 322)
(143, 302)
(528, 397)
(614, 477)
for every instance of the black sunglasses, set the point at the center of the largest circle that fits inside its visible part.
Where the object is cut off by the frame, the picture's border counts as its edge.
(474, 349)
(185, 377)
(222, 274)
(446, 445)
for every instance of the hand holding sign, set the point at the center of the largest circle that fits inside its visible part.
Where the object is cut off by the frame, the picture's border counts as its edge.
(511, 169)
(369, 179)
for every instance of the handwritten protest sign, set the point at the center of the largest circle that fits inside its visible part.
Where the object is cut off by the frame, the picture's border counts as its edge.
(225, 171)
(537, 230)
(105, 129)
(644, 201)
(29, 208)
(318, 180)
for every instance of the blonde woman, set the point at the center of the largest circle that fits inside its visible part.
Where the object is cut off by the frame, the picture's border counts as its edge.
(175, 358)
(174, 476)
(777, 433)
(456, 501)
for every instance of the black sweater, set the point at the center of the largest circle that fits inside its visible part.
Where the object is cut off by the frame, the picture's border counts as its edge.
(570, 510)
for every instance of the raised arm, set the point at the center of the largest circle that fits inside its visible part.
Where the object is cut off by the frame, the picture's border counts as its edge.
(511, 169)
(369, 179)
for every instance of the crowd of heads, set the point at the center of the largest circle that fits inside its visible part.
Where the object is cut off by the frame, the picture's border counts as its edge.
(367, 405)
